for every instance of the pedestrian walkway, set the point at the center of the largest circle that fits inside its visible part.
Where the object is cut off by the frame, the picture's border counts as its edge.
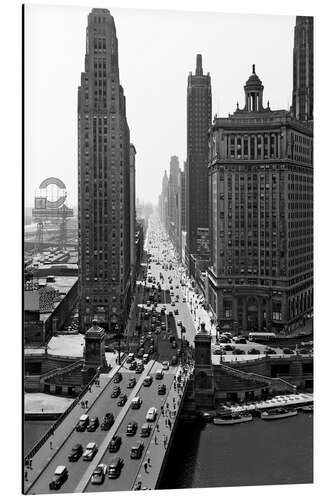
(156, 453)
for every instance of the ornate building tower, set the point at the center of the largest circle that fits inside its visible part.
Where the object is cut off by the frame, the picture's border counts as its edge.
(199, 114)
(104, 183)
(302, 107)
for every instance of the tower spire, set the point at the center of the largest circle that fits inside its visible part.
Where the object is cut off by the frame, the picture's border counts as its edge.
(198, 69)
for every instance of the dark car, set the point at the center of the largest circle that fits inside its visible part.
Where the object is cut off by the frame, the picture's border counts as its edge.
(176, 312)
(287, 351)
(59, 477)
(115, 444)
(140, 353)
(161, 389)
(137, 449)
(229, 347)
(183, 329)
(117, 378)
(253, 351)
(239, 351)
(115, 392)
(75, 453)
(115, 467)
(270, 351)
(131, 429)
(151, 350)
(145, 430)
(108, 422)
(122, 400)
(94, 423)
(217, 351)
(139, 369)
(133, 365)
(131, 382)
(241, 340)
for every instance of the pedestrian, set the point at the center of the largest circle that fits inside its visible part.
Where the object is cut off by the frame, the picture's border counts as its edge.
(90, 388)
(145, 465)
(166, 421)
(169, 423)
(155, 439)
(26, 475)
(30, 463)
(157, 427)
(51, 445)
(149, 462)
(86, 403)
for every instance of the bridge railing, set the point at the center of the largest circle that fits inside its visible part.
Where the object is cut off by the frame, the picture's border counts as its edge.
(51, 430)
(61, 371)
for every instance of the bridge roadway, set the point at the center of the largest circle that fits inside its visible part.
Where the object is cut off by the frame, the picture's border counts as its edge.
(80, 472)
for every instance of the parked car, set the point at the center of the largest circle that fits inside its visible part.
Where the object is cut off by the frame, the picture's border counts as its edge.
(136, 403)
(115, 444)
(147, 381)
(217, 351)
(131, 383)
(131, 428)
(139, 368)
(145, 430)
(122, 400)
(108, 422)
(270, 351)
(238, 351)
(114, 469)
(90, 451)
(59, 477)
(151, 414)
(115, 392)
(75, 453)
(137, 449)
(287, 351)
(161, 389)
(94, 423)
(98, 475)
(253, 351)
(133, 365)
(82, 423)
(229, 347)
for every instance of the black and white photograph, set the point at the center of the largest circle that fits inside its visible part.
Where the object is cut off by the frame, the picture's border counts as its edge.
(168, 267)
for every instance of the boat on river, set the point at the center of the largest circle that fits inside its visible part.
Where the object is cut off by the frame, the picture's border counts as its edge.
(276, 413)
(232, 418)
(307, 409)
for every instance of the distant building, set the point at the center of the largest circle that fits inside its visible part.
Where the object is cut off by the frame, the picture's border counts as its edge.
(132, 214)
(173, 201)
(104, 181)
(261, 216)
(199, 113)
(302, 106)
(164, 201)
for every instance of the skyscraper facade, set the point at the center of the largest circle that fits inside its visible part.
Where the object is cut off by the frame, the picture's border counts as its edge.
(104, 181)
(132, 214)
(302, 99)
(261, 216)
(199, 114)
(173, 200)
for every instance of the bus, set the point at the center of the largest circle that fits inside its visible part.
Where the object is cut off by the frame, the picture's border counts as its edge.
(258, 336)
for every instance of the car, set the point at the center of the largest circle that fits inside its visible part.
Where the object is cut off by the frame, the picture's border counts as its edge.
(176, 312)
(145, 430)
(136, 403)
(94, 423)
(151, 350)
(131, 429)
(270, 351)
(115, 392)
(75, 453)
(117, 378)
(184, 300)
(108, 422)
(90, 452)
(161, 389)
(242, 340)
(225, 340)
(238, 351)
(287, 351)
(131, 383)
(59, 477)
(82, 423)
(122, 400)
(145, 358)
(253, 351)
(217, 351)
(159, 375)
(133, 365)
(115, 444)
(174, 360)
(140, 353)
(98, 475)
(179, 323)
(173, 304)
(183, 329)
(139, 368)
(304, 351)
(165, 365)
(114, 469)
(229, 347)
(171, 338)
(147, 381)
(151, 414)
(137, 449)
(130, 358)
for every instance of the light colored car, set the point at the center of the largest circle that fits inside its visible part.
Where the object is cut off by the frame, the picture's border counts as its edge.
(165, 365)
(98, 475)
(90, 451)
(151, 414)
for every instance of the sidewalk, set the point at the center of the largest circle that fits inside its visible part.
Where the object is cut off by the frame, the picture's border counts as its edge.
(158, 449)
(45, 453)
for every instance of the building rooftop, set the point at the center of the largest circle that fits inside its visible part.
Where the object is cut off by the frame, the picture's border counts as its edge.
(66, 345)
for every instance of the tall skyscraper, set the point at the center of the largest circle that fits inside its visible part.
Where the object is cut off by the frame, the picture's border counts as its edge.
(199, 115)
(132, 214)
(261, 216)
(173, 195)
(104, 181)
(302, 104)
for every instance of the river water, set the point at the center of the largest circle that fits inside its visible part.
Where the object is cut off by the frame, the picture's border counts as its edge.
(253, 453)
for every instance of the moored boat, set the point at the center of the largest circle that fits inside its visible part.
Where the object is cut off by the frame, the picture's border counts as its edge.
(276, 413)
(232, 419)
(307, 409)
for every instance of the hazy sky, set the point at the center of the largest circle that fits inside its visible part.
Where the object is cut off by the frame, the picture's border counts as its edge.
(157, 50)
